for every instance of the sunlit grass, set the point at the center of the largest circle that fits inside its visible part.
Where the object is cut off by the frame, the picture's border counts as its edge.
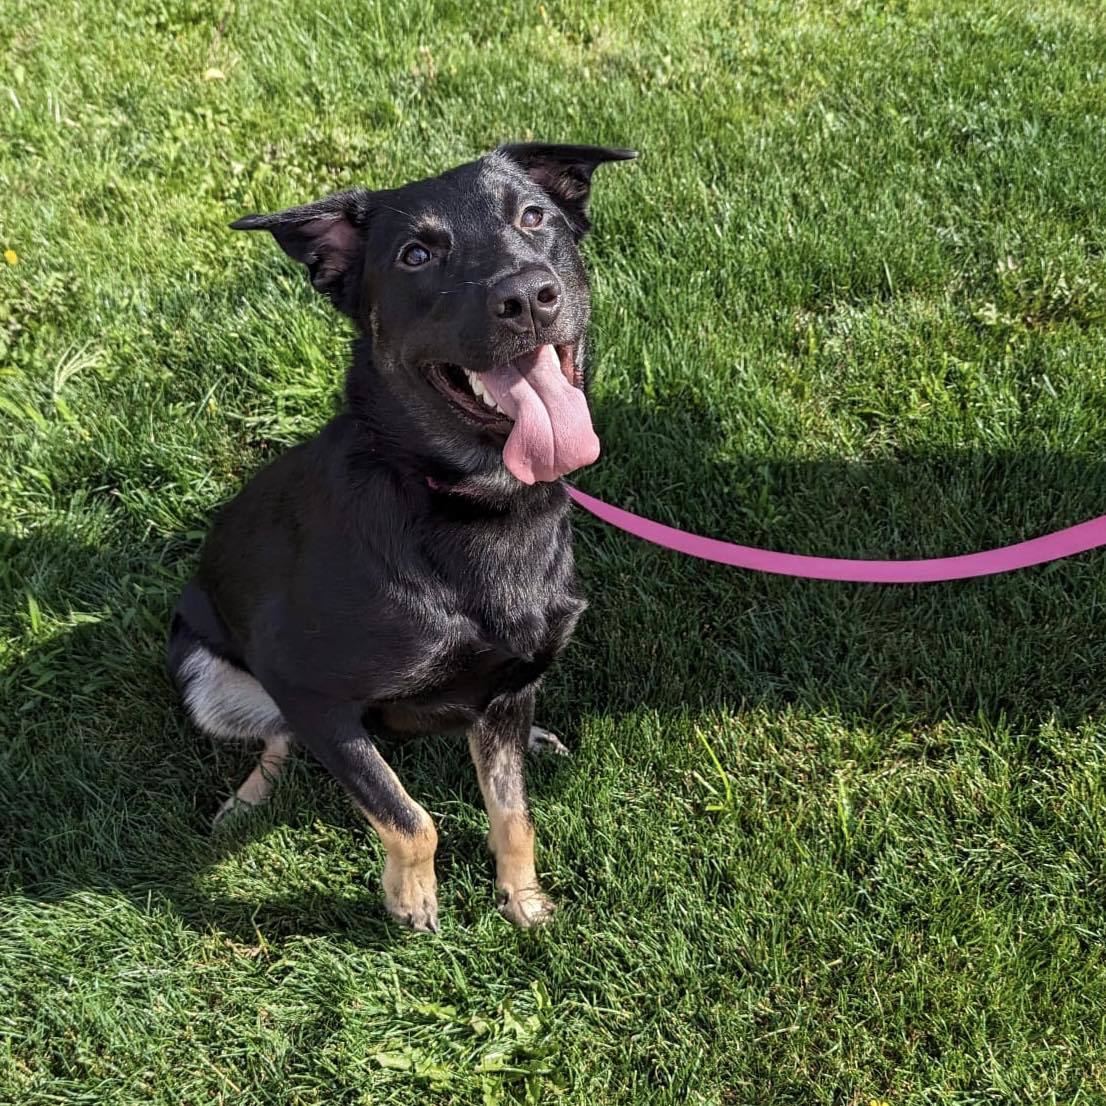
(818, 843)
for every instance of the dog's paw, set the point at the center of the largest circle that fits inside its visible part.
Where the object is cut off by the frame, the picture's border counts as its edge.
(526, 906)
(545, 741)
(411, 895)
(232, 808)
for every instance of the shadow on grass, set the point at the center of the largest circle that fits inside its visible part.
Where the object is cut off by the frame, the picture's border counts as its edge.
(673, 632)
(107, 789)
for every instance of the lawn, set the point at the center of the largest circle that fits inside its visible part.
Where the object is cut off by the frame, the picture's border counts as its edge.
(818, 843)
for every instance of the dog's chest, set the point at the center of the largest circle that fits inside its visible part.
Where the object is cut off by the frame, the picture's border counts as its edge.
(490, 636)
(512, 603)
(503, 647)
(513, 600)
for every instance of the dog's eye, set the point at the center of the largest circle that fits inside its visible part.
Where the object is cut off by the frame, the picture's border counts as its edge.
(414, 255)
(531, 217)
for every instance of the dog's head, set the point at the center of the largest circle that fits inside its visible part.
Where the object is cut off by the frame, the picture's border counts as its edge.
(471, 288)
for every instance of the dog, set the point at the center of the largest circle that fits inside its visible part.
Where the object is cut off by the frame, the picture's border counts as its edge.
(410, 569)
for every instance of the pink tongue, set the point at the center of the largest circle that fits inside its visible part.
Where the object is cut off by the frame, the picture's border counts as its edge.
(552, 434)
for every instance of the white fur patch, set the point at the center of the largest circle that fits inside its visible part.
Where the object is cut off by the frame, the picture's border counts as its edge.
(226, 702)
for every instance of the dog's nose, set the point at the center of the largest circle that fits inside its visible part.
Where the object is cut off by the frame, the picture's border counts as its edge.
(525, 301)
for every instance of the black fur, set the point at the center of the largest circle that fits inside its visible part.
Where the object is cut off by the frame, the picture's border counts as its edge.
(390, 573)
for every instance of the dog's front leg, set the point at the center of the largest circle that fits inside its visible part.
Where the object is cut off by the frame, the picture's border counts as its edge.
(336, 736)
(497, 744)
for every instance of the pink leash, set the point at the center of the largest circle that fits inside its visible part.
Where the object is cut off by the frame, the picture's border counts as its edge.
(1036, 551)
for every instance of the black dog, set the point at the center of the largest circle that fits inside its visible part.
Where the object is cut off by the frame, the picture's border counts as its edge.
(410, 569)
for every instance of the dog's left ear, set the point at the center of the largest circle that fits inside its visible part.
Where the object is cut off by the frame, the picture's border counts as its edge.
(327, 236)
(565, 173)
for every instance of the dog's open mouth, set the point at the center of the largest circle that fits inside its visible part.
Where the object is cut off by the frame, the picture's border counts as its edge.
(537, 401)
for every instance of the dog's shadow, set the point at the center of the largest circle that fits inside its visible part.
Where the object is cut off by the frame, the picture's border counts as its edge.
(106, 787)
(675, 632)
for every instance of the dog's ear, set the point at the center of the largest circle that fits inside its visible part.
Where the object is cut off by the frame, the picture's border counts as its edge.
(565, 173)
(326, 236)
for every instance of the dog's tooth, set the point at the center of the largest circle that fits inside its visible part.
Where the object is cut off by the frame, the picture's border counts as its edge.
(477, 385)
(489, 401)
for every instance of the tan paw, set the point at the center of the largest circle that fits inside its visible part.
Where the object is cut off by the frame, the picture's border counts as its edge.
(232, 808)
(526, 906)
(411, 895)
(545, 741)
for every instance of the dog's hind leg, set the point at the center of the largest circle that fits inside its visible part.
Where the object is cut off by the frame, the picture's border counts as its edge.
(258, 785)
(497, 744)
(227, 702)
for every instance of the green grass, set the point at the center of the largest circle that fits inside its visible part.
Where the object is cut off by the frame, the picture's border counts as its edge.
(819, 843)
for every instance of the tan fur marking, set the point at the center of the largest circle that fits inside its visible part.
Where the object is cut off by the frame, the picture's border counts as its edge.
(405, 848)
(410, 885)
(258, 785)
(511, 841)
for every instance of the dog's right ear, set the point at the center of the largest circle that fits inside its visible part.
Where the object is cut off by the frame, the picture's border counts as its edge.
(564, 172)
(327, 236)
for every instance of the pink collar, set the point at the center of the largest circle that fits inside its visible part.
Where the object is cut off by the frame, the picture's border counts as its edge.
(449, 489)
